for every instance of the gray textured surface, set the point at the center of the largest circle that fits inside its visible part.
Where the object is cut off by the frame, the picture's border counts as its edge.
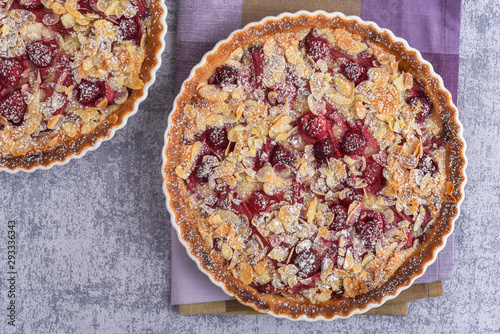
(93, 253)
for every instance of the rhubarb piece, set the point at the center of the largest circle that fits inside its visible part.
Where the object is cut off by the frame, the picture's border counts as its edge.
(257, 66)
(130, 28)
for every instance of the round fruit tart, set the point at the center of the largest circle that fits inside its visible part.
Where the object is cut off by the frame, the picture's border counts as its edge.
(314, 165)
(71, 72)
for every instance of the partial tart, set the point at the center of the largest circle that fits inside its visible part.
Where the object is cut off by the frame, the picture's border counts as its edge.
(314, 165)
(71, 73)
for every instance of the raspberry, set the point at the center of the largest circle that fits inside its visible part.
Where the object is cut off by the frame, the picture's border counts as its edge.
(13, 108)
(323, 150)
(257, 66)
(259, 201)
(224, 76)
(352, 142)
(308, 261)
(281, 156)
(88, 93)
(41, 53)
(11, 70)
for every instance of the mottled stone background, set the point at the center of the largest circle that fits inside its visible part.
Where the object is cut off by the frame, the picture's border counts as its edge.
(93, 237)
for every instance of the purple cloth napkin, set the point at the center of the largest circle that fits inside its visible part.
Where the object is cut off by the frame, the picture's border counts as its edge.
(433, 28)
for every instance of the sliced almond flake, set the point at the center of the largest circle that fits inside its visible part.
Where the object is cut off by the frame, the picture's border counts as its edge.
(278, 253)
(288, 270)
(353, 211)
(289, 213)
(399, 83)
(275, 226)
(270, 47)
(338, 99)
(378, 75)
(322, 232)
(260, 267)
(71, 129)
(281, 126)
(55, 122)
(246, 273)
(367, 259)
(236, 54)
(408, 80)
(226, 251)
(292, 281)
(319, 83)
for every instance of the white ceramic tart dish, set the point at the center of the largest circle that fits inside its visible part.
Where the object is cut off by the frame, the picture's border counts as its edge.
(71, 73)
(314, 165)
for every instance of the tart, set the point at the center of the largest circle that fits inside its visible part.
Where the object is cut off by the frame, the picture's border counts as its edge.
(313, 165)
(71, 73)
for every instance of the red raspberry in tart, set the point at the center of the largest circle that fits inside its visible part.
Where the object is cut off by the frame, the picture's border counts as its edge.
(323, 150)
(317, 47)
(330, 157)
(353, 142)
(224, 76)
(11, 70)
(13, 108)
(66, 67)
(281, 156)
(313, 127)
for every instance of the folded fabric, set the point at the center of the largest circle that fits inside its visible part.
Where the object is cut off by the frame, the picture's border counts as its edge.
(433, 29)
